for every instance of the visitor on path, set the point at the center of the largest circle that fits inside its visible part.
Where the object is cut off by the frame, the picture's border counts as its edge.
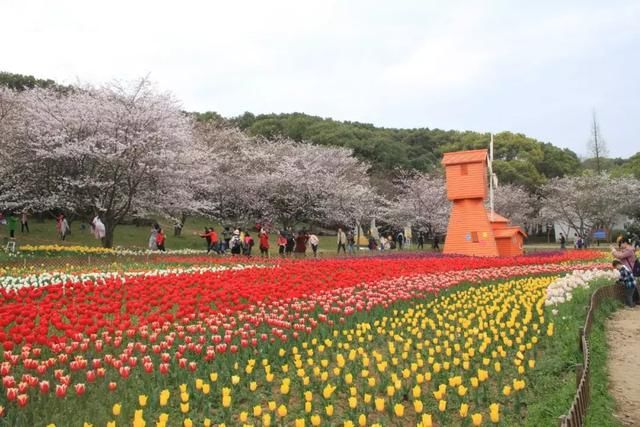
(12, 225)
(282, 243)
(99, 230)
(314, 242)
(420, 240)
(24, 222)
(160, 240)
(627, 280)
(351, 243)
(264, 243)
(625, 254)
(235, 244)
(301, 244)
(153, 246)
(207, 238)
(291, 242)
(563, 241)
(383, 243)
(62, 226)
(342, 241)
(247, 244)
(436, 243)
(400, 240)
(372, 243)
(226, 238)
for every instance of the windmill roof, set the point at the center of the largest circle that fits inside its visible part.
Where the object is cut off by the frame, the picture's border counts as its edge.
(508, 232)
(460, 157)
(496, 217)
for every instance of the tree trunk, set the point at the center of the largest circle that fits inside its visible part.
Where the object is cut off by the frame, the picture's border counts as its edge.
(109, 228)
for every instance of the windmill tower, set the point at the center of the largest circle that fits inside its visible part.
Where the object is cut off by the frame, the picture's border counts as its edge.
(472, 230)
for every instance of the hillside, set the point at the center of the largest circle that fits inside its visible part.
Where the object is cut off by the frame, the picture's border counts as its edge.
(519, 159)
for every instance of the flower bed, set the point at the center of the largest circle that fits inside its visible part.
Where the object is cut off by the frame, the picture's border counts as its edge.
(137, 334)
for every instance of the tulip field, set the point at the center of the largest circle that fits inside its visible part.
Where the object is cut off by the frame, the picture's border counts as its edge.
(401, 340)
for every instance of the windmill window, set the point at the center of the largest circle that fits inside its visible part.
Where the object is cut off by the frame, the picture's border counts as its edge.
(474, 237)
(464, 170)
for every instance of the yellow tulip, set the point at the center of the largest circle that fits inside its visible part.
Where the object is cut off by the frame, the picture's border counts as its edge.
(207, 422)
(299, 422)
(116, 409)
(362, 420)
(442, 405)
(353, 402)
(272, 405)
(187, 422)
(206, 388)
(184, 396)
(476, 419)
(464, 409)
(379, 402)
(257, 411)
(253, 386)
(494, 412)
(111, 424)
(398, 409)
(426, 420)
(315, 420)
(164, 397)
(198, 384)
(244, 416)
(226, 401)
(348, 423)
(184, 407)
(142, 399)
(183, 388)
(328, 410)
(266, 420)
(213, 376)
(506, 390)
(307, 407)
(418, 406)
(462, 390)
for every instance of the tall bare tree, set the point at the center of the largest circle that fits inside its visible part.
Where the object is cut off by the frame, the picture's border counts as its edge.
(597, 146)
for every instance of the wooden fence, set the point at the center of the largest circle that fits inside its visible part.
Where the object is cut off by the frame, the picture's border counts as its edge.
(577, 413)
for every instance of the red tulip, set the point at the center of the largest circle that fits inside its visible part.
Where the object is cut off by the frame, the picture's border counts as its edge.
(12, 394)
(22, 399)
(44, 387)
(80, 389)
(112, 386)
(61, 390)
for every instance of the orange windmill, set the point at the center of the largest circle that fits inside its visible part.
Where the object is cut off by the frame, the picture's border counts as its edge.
(472, 230)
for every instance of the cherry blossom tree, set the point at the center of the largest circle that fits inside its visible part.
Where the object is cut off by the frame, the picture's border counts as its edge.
(589, 201)
(516, 204)
(112, 150)
(421, 200)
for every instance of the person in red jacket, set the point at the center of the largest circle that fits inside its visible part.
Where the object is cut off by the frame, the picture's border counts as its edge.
(160, 238)
(282, 243)
(264, 243)
(301, 243)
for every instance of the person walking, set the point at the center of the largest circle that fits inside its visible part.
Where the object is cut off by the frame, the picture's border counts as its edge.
(226, 238)
(207, 238)
(399, 240)
(12, 224)
(153, 246)
(351, 243)
(264, 243)
(342, 241)
(563, 241)
(314, 242)
(160, 240)
(291, 242)
(282, 243)
(248, 244)
(436, 243)
(63, 226)
(235, 244)
(24, 222)
(301, 244)
(420, 240)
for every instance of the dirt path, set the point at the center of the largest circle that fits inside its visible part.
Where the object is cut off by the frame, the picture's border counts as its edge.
(623, 337)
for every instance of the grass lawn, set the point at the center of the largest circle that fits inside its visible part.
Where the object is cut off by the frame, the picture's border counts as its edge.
(131, 236)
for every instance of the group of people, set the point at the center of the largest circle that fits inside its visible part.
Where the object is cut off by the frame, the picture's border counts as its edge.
(628, 267)
(241, 242)
(11, 221)
(579, 242)
(388, 242)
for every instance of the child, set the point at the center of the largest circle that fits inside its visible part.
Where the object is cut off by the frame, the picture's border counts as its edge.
(627, 280)
(160, 239)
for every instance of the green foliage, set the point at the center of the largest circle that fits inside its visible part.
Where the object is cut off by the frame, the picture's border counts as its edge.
(21, 82)
(521, 160)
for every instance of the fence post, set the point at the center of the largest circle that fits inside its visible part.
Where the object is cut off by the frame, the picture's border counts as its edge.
(579, 370)
(580, 335)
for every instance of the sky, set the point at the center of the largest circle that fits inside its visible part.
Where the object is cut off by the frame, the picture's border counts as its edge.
(537, 67)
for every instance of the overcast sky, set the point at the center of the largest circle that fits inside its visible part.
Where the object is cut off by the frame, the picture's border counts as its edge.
(536, 67)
